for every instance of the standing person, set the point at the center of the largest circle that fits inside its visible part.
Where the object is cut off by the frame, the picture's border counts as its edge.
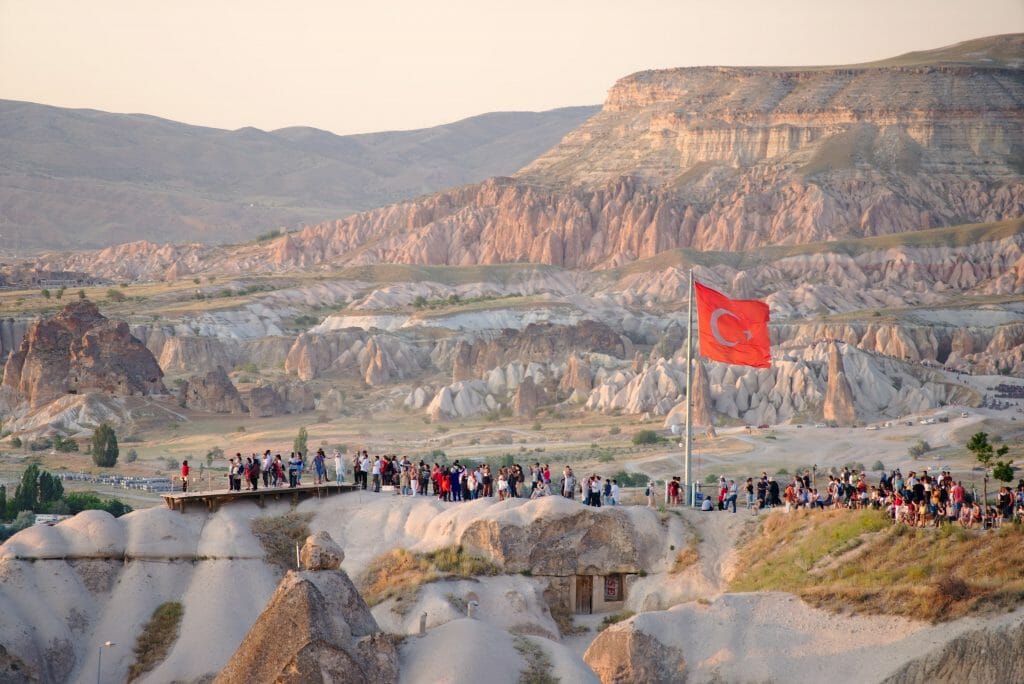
(614, 498)
(375, 471)
(731, 495)
(649, 493)
(278, 471)
(266, 468)
(231, 474)
(455, 485)
(339, 467)
(320, 467)
(184, 476)
(568, 483)
(488, 481)
(294, 463)
(750, 492)
(300, 466)
(254, 473)
(595, 491)
(236, 475)
(364, 468)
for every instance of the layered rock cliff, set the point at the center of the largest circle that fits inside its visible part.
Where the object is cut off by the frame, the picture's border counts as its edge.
(722, 158)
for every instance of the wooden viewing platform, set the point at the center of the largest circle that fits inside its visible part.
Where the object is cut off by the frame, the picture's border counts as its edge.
(177, 501)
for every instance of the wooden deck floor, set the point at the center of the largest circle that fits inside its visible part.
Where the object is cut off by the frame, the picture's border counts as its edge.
(211, 500)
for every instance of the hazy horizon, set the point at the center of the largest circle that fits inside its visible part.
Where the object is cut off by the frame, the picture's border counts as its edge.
(400, 65)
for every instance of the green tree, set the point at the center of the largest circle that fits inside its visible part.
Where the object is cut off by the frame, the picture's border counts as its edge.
(419, 302)
(299, 446)
(59, 293)
(81, 294)
(104, 446)
(16, 442)
(116, 295)
(45, 293)
(50, 488)
(990, 457)
(26, 496)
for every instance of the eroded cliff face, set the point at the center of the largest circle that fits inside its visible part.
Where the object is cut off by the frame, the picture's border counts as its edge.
(711, 158)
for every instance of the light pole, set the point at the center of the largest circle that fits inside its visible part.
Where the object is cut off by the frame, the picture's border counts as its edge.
(99, 659)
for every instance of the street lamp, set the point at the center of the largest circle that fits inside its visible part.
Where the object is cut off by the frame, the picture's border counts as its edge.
(99, 659)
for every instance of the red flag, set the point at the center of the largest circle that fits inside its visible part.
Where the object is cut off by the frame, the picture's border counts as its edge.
(733, 330)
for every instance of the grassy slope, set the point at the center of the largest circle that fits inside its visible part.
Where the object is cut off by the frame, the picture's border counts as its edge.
(859, 562)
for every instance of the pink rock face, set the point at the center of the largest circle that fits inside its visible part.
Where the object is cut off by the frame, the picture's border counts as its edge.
(77, 351)
(839, 405)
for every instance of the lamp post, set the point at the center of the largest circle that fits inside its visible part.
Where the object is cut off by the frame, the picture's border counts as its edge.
(99, 659)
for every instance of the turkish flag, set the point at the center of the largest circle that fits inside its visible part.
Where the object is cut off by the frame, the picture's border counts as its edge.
(733, 330)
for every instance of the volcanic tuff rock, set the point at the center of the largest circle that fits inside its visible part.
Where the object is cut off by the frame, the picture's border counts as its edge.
(280, 398)
(701, 412)
(79, 350)
(621, 656)
(839, 405)
(984, 655)
(315, 628)
(213, 392)
(537, 342)
(582, 543)
(377, 359)
(578, 379)
(528, 398)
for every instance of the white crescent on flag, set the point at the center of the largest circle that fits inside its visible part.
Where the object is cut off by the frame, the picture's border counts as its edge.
(715, 315)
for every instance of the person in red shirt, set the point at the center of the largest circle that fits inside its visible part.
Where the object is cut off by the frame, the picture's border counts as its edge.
(184, 476)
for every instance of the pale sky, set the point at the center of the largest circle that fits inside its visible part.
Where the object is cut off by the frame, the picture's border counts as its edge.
(373, 65)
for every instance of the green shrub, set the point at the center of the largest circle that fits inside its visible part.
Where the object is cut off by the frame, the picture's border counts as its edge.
(646, 437)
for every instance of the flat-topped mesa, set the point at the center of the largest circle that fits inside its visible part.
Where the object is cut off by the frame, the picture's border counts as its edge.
(77, 351)
(953, 110)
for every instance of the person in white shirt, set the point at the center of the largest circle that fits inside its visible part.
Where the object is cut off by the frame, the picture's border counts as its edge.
(731, 494)
(364, 468)
(376, 473)
(339, 467)
(615, 493)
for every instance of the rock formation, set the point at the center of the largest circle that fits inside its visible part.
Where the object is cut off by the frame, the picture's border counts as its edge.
(320, 552)
(541, 342)
(280, 398)
(578, 379)
(621, 656)
(702, 410)
(984, 655)
(315, 628)
(377, 359)
(213, 392)
(839, 404)
(570, 543)
(528, 398)
(79, 351)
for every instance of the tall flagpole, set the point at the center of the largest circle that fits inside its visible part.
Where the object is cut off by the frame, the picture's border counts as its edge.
(689, 497)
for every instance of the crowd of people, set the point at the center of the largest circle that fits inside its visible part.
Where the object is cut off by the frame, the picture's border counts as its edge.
(272, 471)
(466, 482)
(917, 499)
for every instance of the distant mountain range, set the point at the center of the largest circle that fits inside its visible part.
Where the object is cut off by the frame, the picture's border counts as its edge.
(77, 178)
